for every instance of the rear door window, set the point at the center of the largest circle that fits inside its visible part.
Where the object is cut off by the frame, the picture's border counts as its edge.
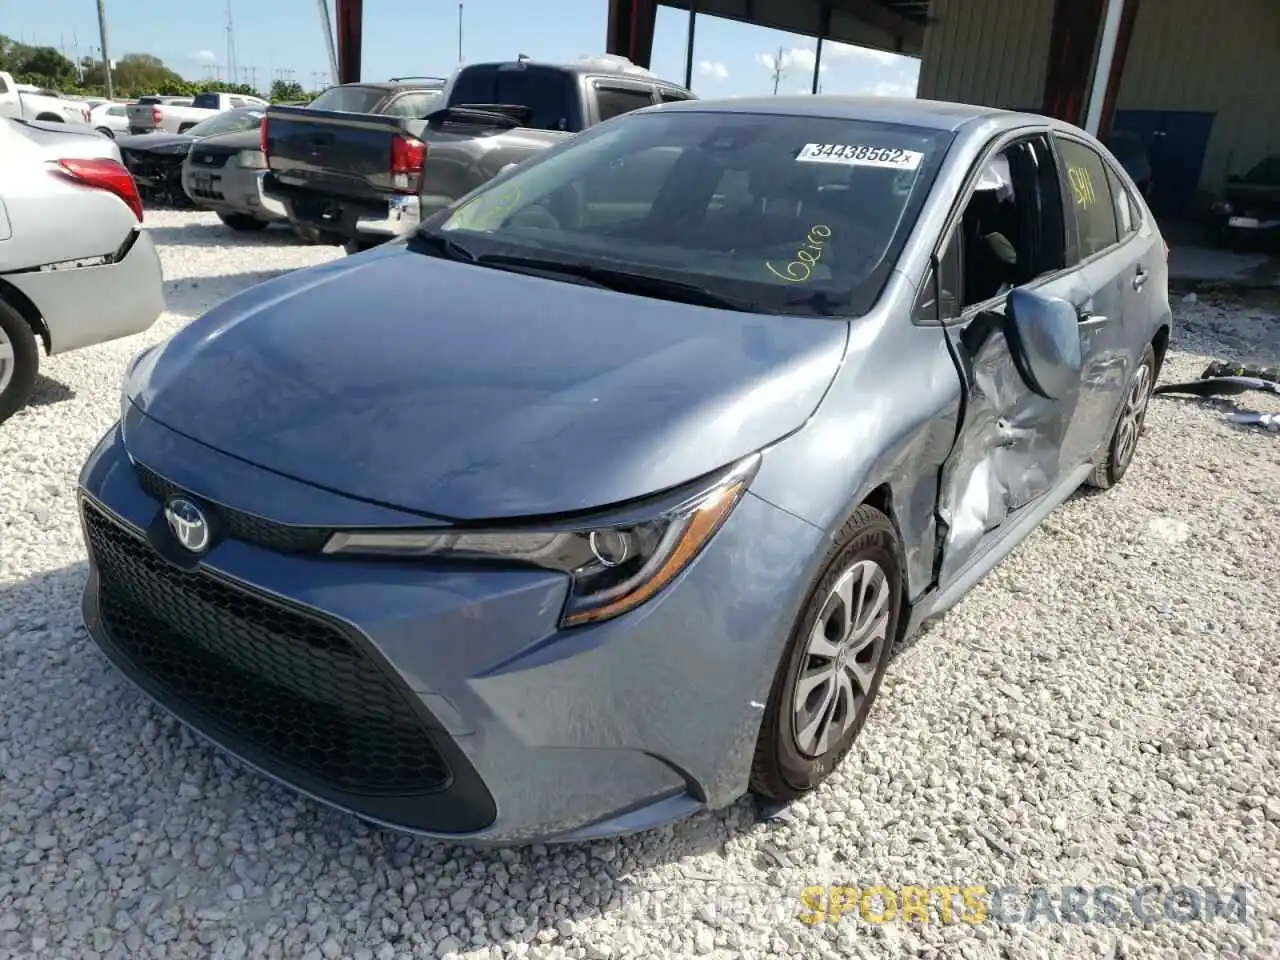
(613, 100)
(207, 101)
(1088, 196)
(551, 95)
(349, 99)
(672, 96)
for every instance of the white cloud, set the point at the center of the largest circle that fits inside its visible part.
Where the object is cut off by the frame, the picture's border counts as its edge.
(794, 58)
(713, 68)
(890, 88)
(847, 52)
(205, 56)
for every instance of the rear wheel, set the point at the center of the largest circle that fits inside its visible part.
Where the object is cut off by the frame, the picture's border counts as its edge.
(835, 661)
(242, 222)
(19, 361)
(107, 132)
(313, 235)
(1133, 418)
(183, 128)
(358, 246)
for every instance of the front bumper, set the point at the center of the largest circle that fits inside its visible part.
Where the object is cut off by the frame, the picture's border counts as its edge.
(383, 218)
(229, 189)
(444, 702)
(88, 305)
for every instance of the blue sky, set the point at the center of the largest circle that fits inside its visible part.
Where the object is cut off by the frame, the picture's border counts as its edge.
(421, 37)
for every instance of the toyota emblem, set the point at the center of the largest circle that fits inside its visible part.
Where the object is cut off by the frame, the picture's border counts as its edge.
(188, 524)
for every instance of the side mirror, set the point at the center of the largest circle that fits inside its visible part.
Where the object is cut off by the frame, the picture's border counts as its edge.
(1044, 338)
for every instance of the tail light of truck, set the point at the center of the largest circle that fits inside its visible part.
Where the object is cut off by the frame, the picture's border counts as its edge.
(103, 174)
(156, 115)
(408, 157)
(263, 137)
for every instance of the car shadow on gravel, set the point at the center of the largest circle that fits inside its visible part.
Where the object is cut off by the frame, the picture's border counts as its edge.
(219, 235)
(195, 295)
(148, 773)
(46, 392)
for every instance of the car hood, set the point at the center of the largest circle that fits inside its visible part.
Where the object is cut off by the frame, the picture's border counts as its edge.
(472, 393)
(156, 142)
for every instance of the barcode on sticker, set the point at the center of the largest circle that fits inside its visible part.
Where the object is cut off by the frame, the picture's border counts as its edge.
(860, 155)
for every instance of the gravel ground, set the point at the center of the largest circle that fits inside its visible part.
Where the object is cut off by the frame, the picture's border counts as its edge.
(1102, 710)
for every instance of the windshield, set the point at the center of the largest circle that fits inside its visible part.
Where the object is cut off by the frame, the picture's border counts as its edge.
(790, 214)
(229, 121)
(1267, 172)
(349, 99)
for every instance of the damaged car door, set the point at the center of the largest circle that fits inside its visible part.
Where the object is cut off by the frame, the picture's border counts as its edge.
(1008, 236)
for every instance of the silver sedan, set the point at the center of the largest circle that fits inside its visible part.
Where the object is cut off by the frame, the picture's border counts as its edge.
(76, 267)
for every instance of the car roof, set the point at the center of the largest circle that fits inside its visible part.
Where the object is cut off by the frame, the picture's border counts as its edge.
(409, 83)
(910, 111)
(613, 67)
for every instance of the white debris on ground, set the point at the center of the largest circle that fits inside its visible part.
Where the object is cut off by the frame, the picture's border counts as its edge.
(1103, 710)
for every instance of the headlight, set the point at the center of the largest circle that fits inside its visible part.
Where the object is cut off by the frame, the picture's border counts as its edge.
(251, 160)
(615, 565)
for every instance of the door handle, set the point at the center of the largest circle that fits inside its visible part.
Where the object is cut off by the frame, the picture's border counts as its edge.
(1140, 279)
(1088, 319)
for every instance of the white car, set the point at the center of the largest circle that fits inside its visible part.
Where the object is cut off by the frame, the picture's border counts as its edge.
(148, 117)
(109, 119)
(22, 101)
(76, 267)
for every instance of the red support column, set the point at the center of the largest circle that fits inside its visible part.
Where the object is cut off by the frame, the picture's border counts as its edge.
(350, 16)
(1123, 39)
(1077, 25)
(631, 27)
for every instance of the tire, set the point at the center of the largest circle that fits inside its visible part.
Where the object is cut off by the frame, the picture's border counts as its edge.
(184, 127)
(787, 764)
(242, 222)
(106, 132)
(357, 246)
(1111, 469)
(19, 361)
(316, 236)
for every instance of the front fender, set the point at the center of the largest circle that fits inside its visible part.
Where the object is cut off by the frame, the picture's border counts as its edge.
(888, 421)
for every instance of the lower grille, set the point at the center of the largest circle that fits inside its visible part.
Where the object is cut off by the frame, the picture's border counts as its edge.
(290, 684)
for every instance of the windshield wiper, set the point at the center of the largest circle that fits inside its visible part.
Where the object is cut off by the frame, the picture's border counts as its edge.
(443, 245)
(622, 281)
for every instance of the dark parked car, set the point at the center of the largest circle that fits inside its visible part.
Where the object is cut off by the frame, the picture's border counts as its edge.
(155, 159)
(1250, 207)
(363, 180)
(605, 497)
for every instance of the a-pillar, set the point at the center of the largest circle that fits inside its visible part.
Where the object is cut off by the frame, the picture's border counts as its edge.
(350, 36)
(631, 26)
(1088, 46)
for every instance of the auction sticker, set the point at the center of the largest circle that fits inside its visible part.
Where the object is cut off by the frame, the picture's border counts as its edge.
(860, 155)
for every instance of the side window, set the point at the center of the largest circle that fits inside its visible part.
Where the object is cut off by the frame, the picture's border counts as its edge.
(614, 101)
(116, 112)
(671, 96)
(412, 105)
(1089, 198)
(1011, 231)
(237, 101)
(1127, 216)
(4, 85)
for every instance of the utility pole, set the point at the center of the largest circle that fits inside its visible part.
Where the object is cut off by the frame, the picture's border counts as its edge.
(459, 32)
(779, 68)
(102, 34)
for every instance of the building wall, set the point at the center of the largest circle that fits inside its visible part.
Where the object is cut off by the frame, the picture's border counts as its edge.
(1221, 57)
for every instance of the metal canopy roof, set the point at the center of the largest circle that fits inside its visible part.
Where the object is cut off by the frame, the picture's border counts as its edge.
(892, 25)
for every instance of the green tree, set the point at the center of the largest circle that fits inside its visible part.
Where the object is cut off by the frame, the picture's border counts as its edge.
(280, 90)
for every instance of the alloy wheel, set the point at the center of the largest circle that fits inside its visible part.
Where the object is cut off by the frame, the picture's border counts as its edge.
(7, 361)
(1133, 415)
(844, 647)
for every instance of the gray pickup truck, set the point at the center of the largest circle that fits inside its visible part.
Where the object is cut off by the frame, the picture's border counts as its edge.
(361, 179)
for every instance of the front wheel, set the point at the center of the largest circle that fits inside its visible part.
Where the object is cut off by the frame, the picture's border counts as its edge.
(19, 361)
(242, 222)
(835, 661)
(1133, 418)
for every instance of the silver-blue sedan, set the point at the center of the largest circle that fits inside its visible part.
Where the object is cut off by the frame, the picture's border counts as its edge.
(605, 497)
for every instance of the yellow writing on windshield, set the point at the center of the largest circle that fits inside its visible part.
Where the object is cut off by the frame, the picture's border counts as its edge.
(807, 256)
(1082, 187)
(485, 212)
